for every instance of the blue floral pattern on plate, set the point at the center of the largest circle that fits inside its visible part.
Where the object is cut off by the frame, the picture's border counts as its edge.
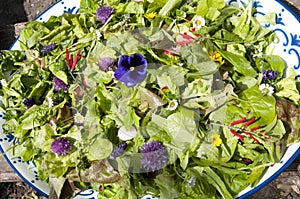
(286, 28)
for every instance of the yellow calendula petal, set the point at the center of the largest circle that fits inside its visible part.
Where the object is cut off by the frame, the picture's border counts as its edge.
(216, 140)
(150, 15)
(216, 57)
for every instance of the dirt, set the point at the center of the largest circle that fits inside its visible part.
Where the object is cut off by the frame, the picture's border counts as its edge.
(15, 12)
(13, 15)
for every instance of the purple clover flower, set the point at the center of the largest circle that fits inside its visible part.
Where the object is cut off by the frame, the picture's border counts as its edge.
(269, 74)
(28, 102)
(59, 84)
(48, 48)
(61, 146)
(154, 156)
(118, 150)
(106, 64)
(103, 13)
(131, 69)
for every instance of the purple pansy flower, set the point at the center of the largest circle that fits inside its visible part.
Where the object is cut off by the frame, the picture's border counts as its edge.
(118, 150)
(103, 13)
(154, 156)
(28, 102)
(61, 146)
(131, 69)
(48, 48)
(59, 84)
(269, 74)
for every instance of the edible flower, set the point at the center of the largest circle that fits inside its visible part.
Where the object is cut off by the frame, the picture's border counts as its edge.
(191, 182)
(216, 140)
(53, 124)
(269, 75)
(118, 150)
(131, 69)
(154, 156)
(216, 57)
(103, 13)
(266, 89)
(61, 146)
(198, 22)
(50, 102)
(173, 104)
(28, 102)
(59, 84)
(150, 15)
(48, 48)
(78, 118)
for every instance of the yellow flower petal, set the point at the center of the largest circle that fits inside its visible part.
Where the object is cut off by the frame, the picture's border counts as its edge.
(150, 15)
(216, 140)
(216, 57)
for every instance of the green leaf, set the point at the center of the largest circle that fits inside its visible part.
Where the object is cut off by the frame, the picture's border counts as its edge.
(240, 63)
(204, 6)
(101, 148)
(58, 69)
(198, 60)
(260, 105)
(286, 88)
(215, 180)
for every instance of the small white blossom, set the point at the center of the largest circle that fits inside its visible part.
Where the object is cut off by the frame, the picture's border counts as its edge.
(198, 22)
(126, 134)
(191, 182)
(50, 102)
(53, 124)
(3, 82)
(173, 104)
(98, 34)
(78, 118)
(266, 89)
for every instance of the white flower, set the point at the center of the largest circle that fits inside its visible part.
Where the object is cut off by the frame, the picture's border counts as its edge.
(126, 134)
(173, 104)
(266, 89)
(98, 34)
(50, 102)
(198, 22)
(191, 182)
(53, 124)
(3, 82)
(78, 118)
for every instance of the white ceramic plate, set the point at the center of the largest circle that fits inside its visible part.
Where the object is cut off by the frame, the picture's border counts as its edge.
(287, 29)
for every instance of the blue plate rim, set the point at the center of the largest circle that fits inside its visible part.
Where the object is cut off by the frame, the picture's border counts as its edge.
(244, 196)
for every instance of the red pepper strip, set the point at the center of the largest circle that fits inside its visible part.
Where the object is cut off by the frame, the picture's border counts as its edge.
(170, 53)
(237, 135)
(193, 30)
(182, 43)
(76, 60)
(185, 36)
(238, 121)
(251, 136)
(255, 128)
(67, 54)
(251, 121)
(70, 61)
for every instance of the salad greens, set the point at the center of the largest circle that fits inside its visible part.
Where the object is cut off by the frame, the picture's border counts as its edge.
(172, 98)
